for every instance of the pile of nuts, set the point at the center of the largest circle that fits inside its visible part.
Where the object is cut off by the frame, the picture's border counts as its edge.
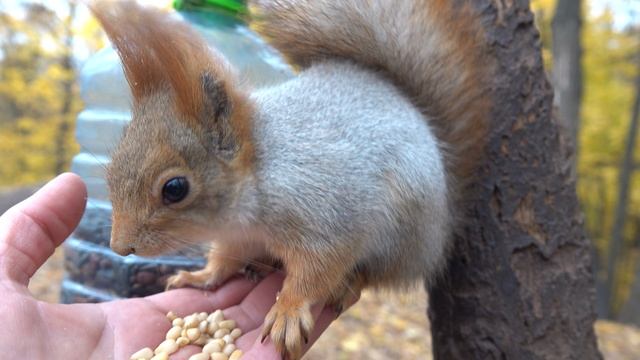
(211, 331)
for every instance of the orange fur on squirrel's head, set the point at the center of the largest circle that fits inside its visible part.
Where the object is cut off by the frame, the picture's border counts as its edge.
(189, 142)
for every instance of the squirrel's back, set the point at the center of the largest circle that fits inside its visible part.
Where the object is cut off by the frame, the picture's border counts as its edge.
(432, 50)
(340, 149)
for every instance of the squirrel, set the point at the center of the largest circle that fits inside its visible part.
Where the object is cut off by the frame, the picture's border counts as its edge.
(350, 175)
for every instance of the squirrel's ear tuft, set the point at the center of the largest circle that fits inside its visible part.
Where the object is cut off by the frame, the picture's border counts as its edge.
(159, 53)
(227, 120)
(216, 117)
(217, 101)
(163, 54)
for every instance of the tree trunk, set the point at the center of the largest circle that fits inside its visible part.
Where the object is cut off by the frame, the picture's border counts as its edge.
(630, 312)
(602, 306)
(519, 283)
(67, 97)
(567, 69)
(624, 180)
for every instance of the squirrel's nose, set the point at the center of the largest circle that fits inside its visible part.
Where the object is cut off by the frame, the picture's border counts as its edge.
(121, 246)
(120, 238)
(122, 249)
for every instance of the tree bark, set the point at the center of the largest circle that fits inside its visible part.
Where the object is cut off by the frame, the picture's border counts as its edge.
(519, 283)
(620, 215)
(567, 69)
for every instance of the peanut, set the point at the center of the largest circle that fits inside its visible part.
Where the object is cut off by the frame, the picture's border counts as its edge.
(216, 316)
(178, 322)
(193, 334)
(168, 346)
(228, 349)
(212, 327)
(212, 347)
(204, 324)
(201, 356)
(228, 339)
(182, 341)
(235, 333)
(227, 324)
(145, 354)
(202, 340)
(171, 316)
(161, 356)
(220, 333)
(220, 342)
(236, 355)
(174, 332)
(219, 356)
(202, 316)
(191, 321)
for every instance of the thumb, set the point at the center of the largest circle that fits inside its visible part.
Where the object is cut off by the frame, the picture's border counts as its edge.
(31, 230)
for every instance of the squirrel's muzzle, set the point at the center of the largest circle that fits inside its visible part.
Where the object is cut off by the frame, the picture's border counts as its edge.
(120, 240)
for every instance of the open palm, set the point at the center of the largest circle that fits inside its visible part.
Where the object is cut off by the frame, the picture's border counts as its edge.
(31, 329)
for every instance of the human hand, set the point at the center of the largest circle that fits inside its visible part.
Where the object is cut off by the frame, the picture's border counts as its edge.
(31, 329)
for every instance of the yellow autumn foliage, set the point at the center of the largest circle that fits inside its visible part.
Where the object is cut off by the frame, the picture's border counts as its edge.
(36, 127)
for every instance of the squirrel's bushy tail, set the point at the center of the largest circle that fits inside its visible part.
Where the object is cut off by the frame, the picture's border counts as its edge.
(431, 49)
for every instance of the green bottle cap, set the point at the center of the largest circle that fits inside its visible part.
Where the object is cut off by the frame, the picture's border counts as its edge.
(235, 6)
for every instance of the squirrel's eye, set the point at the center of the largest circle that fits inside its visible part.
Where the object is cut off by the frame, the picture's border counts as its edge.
(175, 190)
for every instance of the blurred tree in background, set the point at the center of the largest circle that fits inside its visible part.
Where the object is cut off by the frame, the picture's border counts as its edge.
(610, 62)
(38, 88)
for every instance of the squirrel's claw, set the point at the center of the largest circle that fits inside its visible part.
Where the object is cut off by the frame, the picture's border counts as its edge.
(289, 323)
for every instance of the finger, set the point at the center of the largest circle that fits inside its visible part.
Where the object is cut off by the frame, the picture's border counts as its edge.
(323, 316)
(256, 349)
(31, 230)
(250, 313)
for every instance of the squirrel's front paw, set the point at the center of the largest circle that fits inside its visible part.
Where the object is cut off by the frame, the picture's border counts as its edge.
(289, 323)
(200, 279)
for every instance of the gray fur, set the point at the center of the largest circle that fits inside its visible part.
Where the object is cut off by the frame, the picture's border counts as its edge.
(345, 159)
